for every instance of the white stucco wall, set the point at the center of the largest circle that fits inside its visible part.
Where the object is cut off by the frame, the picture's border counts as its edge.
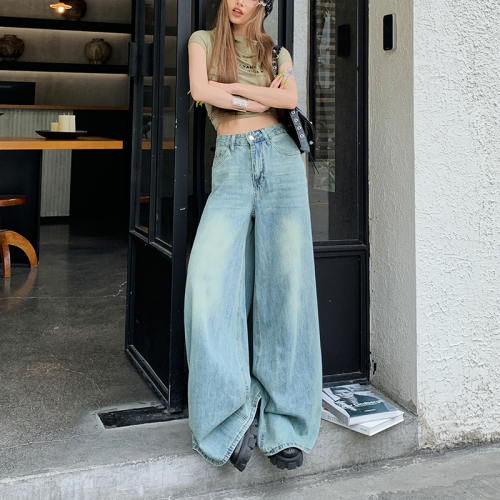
(434, 187)
(457, 200)
(392, 209)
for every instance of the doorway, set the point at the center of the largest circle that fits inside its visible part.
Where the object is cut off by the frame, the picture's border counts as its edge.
(171, 158)
(171, 164)
(338, 104)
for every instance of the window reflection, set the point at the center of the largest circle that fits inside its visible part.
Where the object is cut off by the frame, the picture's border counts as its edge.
(333, 188)
(142, 221)
(165, 184)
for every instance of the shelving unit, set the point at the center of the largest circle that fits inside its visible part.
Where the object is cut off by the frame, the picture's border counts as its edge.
(62, 67)
(75, 66)
(97, 94)
(63, 25)
(54, 24)
(68, 108)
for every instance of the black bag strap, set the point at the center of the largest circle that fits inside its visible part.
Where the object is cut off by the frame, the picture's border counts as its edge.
(276, 53)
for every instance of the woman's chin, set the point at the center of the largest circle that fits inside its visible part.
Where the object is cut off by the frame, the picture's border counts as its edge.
(235, 20)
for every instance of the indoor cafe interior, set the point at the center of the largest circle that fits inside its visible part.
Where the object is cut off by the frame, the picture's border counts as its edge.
(67, 138)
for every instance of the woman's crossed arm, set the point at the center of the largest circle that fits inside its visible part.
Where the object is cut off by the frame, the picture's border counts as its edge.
(282, 92)
(202, 91)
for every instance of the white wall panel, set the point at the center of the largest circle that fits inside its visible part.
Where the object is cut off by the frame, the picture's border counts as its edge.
(56, 165)
(392, 205)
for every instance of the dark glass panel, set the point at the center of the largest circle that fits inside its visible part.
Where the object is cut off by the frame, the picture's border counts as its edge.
(333, 191)
(165, 185)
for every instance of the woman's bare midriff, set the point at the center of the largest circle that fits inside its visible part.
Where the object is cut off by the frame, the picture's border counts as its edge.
(244, 125)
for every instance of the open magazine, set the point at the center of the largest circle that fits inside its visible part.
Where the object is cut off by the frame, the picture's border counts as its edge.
(354, 404)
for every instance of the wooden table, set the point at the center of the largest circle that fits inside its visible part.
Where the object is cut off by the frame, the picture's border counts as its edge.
(39, 143)
(20, 173)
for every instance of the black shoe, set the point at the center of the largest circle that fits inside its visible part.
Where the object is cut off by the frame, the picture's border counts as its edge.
(289, 458)
(241, 454)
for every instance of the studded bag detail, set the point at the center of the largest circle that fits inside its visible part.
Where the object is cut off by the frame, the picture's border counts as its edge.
(295, 121)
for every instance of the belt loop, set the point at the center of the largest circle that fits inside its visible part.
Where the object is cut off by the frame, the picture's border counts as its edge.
(233, 139)
(266, 135)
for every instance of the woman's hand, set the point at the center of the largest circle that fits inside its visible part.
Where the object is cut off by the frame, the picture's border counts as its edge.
(276, 83)
(282, 93)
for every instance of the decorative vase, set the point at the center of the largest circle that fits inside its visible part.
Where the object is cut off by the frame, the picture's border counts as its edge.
(77, 11)
(11, 48)
(97, 51)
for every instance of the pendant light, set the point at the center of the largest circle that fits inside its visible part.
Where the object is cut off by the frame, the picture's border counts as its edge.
(72, 10)
(60, 7)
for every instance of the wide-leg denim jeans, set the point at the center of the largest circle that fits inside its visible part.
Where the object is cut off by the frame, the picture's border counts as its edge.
(254, 243)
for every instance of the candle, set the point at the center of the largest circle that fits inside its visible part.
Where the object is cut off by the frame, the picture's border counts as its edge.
(72, 123)
(64, 123)
(54, 127)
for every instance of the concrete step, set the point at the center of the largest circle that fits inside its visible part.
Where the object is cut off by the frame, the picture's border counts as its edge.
(156, 461)
(469, 473)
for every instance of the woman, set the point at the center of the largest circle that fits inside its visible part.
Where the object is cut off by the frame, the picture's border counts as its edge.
(253, 245)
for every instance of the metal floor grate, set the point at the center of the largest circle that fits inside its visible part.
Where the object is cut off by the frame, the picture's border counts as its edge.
(138, 416)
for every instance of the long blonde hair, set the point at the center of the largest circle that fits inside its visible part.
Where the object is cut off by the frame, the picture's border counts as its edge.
(224, 49)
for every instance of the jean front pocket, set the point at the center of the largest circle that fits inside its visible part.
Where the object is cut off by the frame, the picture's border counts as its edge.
(285, 145)
(221, 155)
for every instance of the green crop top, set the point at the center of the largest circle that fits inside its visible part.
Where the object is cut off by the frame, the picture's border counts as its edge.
(247, 73)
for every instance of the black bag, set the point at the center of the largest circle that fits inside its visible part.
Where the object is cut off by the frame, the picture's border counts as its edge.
(295, 121)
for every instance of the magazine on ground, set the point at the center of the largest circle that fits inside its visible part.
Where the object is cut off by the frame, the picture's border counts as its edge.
(354, 404)
(368, 428)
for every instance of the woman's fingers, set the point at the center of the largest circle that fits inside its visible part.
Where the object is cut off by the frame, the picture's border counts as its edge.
(276, 82)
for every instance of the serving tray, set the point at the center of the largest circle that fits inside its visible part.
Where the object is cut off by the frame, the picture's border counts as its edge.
(49, 134)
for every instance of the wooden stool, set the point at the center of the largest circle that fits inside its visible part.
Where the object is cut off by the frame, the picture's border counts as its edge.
(14, 239)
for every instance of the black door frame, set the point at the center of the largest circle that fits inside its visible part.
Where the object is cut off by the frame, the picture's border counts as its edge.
(360, 247)
(142, 63)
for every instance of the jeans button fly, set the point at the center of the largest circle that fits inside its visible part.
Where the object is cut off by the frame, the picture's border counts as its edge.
(251, 137)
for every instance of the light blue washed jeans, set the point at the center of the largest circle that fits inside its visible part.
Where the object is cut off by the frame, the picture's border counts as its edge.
(254, 242)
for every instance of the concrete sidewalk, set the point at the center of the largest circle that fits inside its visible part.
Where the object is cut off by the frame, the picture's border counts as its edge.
(463, 474)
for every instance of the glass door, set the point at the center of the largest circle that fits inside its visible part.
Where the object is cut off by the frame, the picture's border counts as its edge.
(338, 191)
(157, 232)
